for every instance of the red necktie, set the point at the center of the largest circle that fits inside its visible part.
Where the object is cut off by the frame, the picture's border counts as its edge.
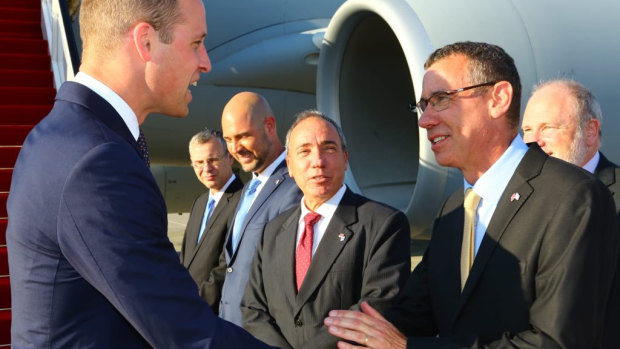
(304, 249)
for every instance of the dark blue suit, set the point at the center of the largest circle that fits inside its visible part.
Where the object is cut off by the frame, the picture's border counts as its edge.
(90, 262)
(279, 193)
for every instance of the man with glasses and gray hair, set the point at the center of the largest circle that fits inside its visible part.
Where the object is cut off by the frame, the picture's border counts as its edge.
(211, 214)
(523, 255)
(565, 119)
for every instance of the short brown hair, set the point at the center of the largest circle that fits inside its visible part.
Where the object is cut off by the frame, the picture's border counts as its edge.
(104, 22)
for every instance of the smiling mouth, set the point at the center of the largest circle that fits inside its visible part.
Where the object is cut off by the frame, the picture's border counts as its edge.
(438, 139)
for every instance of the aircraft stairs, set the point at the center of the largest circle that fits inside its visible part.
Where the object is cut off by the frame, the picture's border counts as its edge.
(26, 96)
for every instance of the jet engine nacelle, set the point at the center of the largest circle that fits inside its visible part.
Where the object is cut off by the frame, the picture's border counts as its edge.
(371, 68)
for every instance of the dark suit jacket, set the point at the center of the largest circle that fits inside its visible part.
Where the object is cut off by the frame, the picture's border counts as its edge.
(278, 194)
(202, 260)
(91, 264)
(364, 255)
(540, 278)
(609, 173)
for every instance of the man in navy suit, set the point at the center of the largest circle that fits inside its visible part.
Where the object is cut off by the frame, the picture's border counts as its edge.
(91, 264)
(211, 214)
(249, 129)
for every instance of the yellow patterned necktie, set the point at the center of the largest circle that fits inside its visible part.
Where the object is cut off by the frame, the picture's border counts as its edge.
(470, 206)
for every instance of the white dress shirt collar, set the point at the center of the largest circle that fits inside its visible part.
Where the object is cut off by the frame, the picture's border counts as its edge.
(492, 184)
(217, 196)
(326, 210)
(268, 171)
(590, 166)
(121, 107)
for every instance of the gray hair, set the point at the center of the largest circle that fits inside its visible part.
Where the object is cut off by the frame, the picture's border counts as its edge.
(313, 113)
(586, 107)
(206, 135)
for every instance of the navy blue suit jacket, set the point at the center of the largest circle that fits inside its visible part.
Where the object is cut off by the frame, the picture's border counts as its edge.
(90, 262)
(279, 193)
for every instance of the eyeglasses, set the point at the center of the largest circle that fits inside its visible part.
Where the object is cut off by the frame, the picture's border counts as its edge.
(440, 100)
(210, 161)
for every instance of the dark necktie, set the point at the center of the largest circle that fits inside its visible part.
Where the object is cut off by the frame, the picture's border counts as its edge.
(144, 150)
(303, 256)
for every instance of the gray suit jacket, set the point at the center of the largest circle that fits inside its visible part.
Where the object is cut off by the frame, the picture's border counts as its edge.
(202, 259)
(364, 255)
(609, 173)
(541, 276)
(278, 194)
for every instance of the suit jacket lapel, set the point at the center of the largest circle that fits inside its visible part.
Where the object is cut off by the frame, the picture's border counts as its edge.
(194, 226)
(286, 245)
(77, 93)
(329, 248)
(605, 171)
(506, 209)
(278, 175)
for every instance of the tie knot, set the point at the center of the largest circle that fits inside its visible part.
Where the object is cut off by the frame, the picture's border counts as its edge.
(210, 203)
(471, 200)
(311, 218)
(253, 185)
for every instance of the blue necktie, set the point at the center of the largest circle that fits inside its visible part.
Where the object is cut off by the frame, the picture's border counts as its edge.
(244, 207)
(205, 217)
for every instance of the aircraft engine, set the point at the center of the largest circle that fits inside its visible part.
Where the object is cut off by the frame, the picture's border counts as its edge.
(371, 68)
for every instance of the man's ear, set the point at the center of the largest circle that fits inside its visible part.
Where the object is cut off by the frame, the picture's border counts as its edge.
(288, 166)
(591, 132)
(270, 125)
(143, 35)
(501, 96)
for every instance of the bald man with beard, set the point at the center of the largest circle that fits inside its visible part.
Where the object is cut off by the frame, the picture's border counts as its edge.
(249, 129)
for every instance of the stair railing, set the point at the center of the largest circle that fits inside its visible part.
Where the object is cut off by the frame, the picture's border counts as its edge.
(58, 31)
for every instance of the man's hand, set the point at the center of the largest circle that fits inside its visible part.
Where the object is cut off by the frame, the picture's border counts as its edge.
(367, 328)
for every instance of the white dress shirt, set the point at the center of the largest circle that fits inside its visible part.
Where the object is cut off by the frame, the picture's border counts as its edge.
(590, 166)
(326, 210)
(491, 185)
(264, 176)
(121, 107)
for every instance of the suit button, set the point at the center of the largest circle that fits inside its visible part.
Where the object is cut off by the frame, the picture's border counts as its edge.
(298, 323)
(229, 270)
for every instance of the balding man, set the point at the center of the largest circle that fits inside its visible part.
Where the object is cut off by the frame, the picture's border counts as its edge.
(249, 129)
(565, 119)
(334, 249)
